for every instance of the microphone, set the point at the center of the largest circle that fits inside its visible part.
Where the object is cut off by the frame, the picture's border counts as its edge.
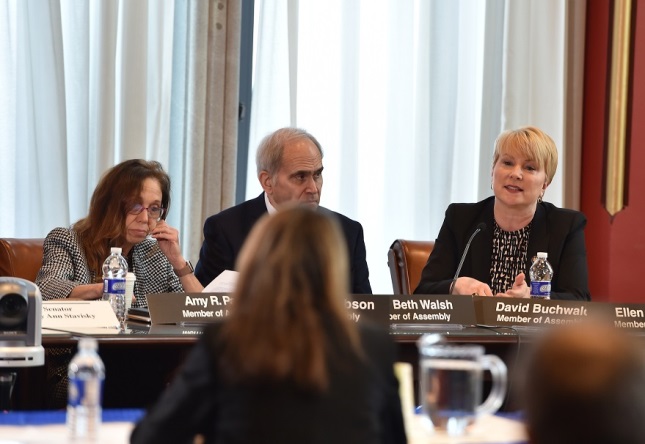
(480, 227)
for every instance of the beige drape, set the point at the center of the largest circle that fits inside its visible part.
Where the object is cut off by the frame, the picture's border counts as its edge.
(574, 91)
(207, 120)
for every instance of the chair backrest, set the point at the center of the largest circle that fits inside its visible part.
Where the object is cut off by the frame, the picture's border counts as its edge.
(406, 259)
(21, 257)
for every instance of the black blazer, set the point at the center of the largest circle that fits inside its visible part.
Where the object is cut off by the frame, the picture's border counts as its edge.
(362, 405)
(225, 233)
(558, 231)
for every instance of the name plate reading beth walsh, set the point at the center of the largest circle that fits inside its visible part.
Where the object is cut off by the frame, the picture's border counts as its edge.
(432, 309)
(529, 312)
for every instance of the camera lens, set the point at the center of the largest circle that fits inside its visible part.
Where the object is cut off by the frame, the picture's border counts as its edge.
(13, 310)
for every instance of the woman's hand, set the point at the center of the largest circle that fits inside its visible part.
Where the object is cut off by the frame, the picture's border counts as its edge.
(168, 240)
(519, 289)
(87, 292)
(470, 286)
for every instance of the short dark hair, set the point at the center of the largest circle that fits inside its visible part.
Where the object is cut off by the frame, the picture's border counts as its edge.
(586, 384)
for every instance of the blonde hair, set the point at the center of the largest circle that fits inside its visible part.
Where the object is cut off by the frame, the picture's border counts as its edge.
(532, 143)
(289, 303)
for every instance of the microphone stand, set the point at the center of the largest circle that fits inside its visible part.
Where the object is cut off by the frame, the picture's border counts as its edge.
(480, 227)
(7, 382)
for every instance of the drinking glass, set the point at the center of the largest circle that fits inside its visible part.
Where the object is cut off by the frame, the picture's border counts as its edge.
(451, 384)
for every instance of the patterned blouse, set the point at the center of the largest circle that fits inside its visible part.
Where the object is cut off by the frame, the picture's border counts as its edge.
(508, 257)
(65, 266)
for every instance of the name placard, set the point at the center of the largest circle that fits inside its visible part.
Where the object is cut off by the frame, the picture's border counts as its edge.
(202, 308)
(66, 314)
(624, 316)
(402, 312)
(188, 308)
(372, 307)
(432, 309)
(529, 312)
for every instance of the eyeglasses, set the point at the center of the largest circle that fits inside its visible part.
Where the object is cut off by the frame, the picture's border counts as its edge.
(154, 212)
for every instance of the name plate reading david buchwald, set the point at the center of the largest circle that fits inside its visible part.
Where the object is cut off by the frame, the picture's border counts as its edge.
(529, 312)
(432, 309)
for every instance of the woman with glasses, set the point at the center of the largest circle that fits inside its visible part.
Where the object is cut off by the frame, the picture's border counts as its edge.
(128, 210)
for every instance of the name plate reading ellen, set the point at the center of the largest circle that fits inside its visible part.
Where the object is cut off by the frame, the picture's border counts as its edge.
(529, 312)
(66, 314)
(432, 309)
(624, 316)
(188, 308)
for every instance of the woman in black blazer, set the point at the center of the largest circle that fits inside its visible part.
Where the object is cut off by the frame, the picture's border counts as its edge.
(516, 224)
(287, 365)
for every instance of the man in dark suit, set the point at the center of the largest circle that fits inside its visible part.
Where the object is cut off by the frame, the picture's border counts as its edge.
(289, 166)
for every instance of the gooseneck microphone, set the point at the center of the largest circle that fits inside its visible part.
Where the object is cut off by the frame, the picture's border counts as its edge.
(480, 227)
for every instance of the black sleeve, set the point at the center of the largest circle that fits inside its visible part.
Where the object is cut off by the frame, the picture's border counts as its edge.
(359, 270)
(216, 254)
(392, 416)
(185, 408)
(442, 263)
(570, 279)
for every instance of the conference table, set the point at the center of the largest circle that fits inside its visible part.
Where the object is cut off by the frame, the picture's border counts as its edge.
(142, 360)
(48, 427)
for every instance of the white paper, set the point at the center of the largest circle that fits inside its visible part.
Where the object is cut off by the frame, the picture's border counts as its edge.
(109, 433)
(73, 314)
(224, 283)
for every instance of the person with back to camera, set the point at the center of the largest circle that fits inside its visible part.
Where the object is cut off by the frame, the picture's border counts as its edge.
(290, 170)
(287, 365)
(585, 384)
(517, 224)
(130, 203)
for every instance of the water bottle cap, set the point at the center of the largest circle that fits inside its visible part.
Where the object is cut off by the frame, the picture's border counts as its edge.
(87, 343)
(117, 250)
(542, 255)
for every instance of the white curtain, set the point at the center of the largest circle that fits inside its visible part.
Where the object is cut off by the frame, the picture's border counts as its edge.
(85, 85)
(407, 98)
(86, 93)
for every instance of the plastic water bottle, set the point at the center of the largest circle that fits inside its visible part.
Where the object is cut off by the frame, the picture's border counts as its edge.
(541, 274)
(86, 375)
(115, 268)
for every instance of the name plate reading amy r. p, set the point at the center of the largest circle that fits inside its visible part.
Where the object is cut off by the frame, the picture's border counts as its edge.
(432, 309)
(187, 308)
(529, 312)
(66, 314)
(202, 308)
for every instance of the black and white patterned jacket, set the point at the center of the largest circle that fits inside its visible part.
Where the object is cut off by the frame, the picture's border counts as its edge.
(65, 266)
